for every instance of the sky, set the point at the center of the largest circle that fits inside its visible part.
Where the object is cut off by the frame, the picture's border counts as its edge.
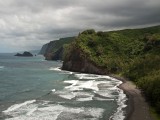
(28, 24)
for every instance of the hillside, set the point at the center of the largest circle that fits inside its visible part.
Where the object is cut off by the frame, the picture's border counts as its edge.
(132, 53)
(50, 49)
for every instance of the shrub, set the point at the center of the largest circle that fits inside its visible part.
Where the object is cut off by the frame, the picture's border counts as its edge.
(89, 31)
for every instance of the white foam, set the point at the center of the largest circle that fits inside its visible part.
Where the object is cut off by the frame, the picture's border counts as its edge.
(103, 99)
(84, 99)
(93, 76)
(70, 72)
(31, 111)
(38, 111)
(53, 90)
(80, 85)
(86, 76)
(16, 106)
(55, 69)
(73, 82)
(76, 85)
(1, 67)
(65, 94)
(83, 96)
(107, 92)
(119, 114)
(80, 96)
(95, 112)
(60, 70)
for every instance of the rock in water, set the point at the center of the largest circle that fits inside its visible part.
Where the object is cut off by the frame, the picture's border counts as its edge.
(25, 54)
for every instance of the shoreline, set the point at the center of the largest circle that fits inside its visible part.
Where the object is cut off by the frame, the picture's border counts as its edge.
(137, 107)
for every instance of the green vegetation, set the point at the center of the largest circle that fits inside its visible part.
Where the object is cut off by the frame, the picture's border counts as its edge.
(134, 53)
(145, 72)
(59, 43)
(53, 46)
(154, 114)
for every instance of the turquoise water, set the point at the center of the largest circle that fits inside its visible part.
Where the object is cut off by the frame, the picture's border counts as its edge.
(35, 89)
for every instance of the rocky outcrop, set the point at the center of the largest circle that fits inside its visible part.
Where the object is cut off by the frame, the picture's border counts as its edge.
(77, 62)
(25, 54)
(58, 55)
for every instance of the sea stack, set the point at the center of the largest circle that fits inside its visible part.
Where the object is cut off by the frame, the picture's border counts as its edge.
(25, 54)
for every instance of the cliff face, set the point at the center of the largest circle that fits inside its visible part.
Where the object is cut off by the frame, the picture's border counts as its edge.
(43, 49)
(79, 63)
(57, 55)
(48, 48)
(54, 49)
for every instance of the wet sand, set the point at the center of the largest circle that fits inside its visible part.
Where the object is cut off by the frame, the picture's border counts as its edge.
(137, 107)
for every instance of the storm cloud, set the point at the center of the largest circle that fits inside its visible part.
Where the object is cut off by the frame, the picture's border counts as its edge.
(28, 24)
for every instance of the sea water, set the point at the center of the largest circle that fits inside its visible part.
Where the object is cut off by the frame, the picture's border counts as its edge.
(34, 89)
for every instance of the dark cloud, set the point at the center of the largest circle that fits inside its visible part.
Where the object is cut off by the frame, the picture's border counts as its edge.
(27, 24)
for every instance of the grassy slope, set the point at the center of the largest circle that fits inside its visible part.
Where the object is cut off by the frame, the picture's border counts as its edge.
(135, 53)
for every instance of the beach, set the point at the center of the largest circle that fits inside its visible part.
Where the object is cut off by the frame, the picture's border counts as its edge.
(137, 107)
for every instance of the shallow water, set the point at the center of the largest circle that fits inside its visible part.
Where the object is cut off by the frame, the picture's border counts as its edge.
(35, 89)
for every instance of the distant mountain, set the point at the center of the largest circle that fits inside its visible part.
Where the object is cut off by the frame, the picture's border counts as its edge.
(53, 50)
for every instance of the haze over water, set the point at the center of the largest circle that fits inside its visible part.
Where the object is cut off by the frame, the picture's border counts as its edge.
(35, 89)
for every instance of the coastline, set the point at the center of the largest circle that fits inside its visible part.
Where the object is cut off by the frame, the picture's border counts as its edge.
(137, 107)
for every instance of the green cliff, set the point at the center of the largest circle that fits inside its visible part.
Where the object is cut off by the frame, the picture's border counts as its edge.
(54, 49)
(133, 53)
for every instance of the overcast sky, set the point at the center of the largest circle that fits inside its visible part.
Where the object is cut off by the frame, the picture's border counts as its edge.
(28, 24)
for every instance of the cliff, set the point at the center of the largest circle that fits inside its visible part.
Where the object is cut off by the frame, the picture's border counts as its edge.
(57, 55)
(133, 53)
(111, 51)
(78, 62)
(43, 49)
(54, 49)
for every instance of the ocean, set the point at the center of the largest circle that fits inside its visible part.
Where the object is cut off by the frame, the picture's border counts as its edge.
(32, 88)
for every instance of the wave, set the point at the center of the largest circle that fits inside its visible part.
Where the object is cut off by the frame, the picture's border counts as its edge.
(58, 69)
(31, 111)
(80, 85)
(103, 90)
(1, 67)
(48, 111)
(87, 87)
(53, 90)
(120, 114)
(16, 106)
(55, 68)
